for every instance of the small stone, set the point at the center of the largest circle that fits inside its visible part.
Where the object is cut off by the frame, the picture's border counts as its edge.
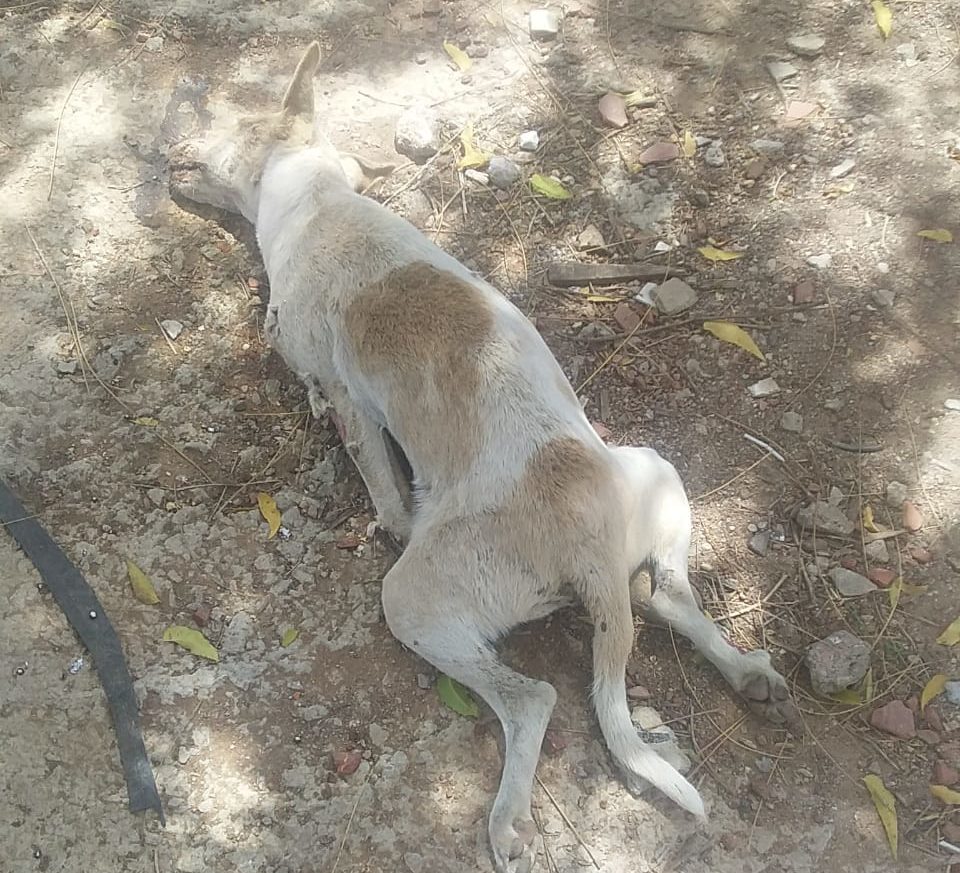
(837, 662)
(590, 238)
(67, 368)
(907, 51)
(882, 577)
(851, 584)
(414, 862)
(755, 168)
(825, 518)
(883, 298)
(171, 327)
(713, 156)
(952, 403)
(896, 494)
(698, 197)
(931, 738)
(417, 135)
(877, 552)
(805, 292)
(613, 110)
(759, 543)
(626, 317)
(155, 496)
(912, 516)
(848, 563)
(153, 44)
(674, 296)
(378, 736)
(237, 634)
(792, 422)
(764, 388)
(201, 615)
(834, 404)
(781, 71)
(932, 717)
(820, 262)
(844, 168)
(346, 761)
(944, 774)
(896, 719)
(529, 141)
(921, 555)
(477, 176)
(424, 682)
(951, 691)
(807, 45)
(544, 24)
(767, 146)
(502, 171)
(348, 541)
(638, 692)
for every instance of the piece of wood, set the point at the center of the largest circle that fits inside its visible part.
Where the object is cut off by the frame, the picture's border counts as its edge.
(566, 275)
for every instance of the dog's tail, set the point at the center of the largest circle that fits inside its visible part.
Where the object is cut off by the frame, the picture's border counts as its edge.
(612, 641)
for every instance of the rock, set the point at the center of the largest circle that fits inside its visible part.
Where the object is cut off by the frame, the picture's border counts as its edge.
(820, 262)
(781, 71)
(414, 862)
(907, 51)
(764, 388)
(713, 156)
(883, 298)
(596, 330)
(921, 555)
(877, 551)
(850, 583)
(417, 135)
(171, 327)
(613, 110)
(544, 24)
(896, 719)
(805, 292)
(807, 45)
(837, 662)
(424, 682)
(378, 735)
(674, 296)
(529, 141)
(755, 168)
(638, 692)
(767, 146)
(826, 518)
(912, 516)
(237, 634)
(156, 496)
(67, 368)
(931, 738)
(153, 44)
(626, 317)
(834, 404)
(944, 774)
(590, 238)
(952, 403)
(792, 422)
(759, 543)
(503, 172)
(201, 615)
(659, 153)
(951, 692)
(477, 176)
(896, 494)
(844, 168)
(698, 197)
(882, 577)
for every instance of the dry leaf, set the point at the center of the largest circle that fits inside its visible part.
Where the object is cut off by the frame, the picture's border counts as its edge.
(472, 156)
(456, 697)
(934, 687)
(733, 333)
(951, 636)
(458, 56)
(289, 637)
(947, 795)
(848, 697)
(940, 234)
(603, 298)
(270, 513)
(142, 587)
(886, 808)
(711, 253)
(192, 640)
(689, 144)
(146, 421)
(894, 592)
(835, 191)
(549, 187)
(868, 686)
(660, 152)
(797, 110)
(638, 98)
(884, 17)
(866, 519)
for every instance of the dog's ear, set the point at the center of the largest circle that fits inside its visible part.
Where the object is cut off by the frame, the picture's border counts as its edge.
(361, 172)
(299, 97)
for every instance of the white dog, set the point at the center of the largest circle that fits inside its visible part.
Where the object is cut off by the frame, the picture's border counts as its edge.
(511, 505)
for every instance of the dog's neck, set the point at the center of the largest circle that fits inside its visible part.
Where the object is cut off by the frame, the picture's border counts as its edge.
(293, 187)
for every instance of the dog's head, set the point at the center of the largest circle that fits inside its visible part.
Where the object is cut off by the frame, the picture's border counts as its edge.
(224, 169)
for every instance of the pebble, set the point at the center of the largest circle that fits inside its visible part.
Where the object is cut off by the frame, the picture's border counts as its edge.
(826, 518)
(807, 45)
(529, 141)
(713, 156)
(907, 51)
(417, 134)
(477, 176)
(767, 146)
(882, 577)
(590, 238)
(951, 691)
(850, 583)
(877, 551)
(820, 262)
(834, 404)
(759, 543)
(67, 368)
(764, 388)
(837, 662)
(805, 292)
(237, 634)
(952, 403)
(613, 110)
(698, 197)
(944, 774)
(894, 718)
(755, 168)
(424, 682)
(912, 516)
(792, 422)
(502, 171)
(171, 327)
(844, 168)
(674, 296)
(781, 70)
(883, 297)
(153, 44)
(378, 735)
(638, 692)
(896, 494)
(544, 23)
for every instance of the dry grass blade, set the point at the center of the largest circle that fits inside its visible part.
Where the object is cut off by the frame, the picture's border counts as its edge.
(56, 137)
(353, 815)
(567, 821)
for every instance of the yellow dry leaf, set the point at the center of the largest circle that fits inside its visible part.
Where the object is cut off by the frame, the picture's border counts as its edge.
(834, 191)
(289, 637)
(894, 592)
(270, 513)
(458, 56)
(146, 421)
(940, 234)
(868, 686)
(907, 588)
(711, 253)
(689, 144)
(635, 98)
(848, 696)
(947, 795)
(934, 687)
(142, 587)
(733, 333)
(951, 636)
(472, 156)
(886, 808)
(866, 519)
(192, 640)
(603, 298)
(884, 17)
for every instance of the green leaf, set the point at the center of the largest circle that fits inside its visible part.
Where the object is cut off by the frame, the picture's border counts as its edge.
(549, 187)
(142, 587)
(456, 697)
(191, 640)
(458, 56)
(289, 637)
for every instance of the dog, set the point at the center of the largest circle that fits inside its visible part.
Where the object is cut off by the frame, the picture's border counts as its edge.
(475, 450)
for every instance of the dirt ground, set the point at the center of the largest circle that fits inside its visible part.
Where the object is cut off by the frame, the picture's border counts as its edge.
(164, 469)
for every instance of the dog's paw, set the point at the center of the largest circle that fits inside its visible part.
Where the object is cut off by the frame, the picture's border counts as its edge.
(514, 845)
(767, 695)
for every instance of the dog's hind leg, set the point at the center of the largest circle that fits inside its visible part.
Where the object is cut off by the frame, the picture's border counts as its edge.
(440, 620)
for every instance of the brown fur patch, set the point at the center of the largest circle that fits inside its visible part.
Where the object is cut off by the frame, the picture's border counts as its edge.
(565, 476)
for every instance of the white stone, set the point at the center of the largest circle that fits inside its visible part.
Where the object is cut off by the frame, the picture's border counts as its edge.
(764, 388)
(529, 141)
(544, 23)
